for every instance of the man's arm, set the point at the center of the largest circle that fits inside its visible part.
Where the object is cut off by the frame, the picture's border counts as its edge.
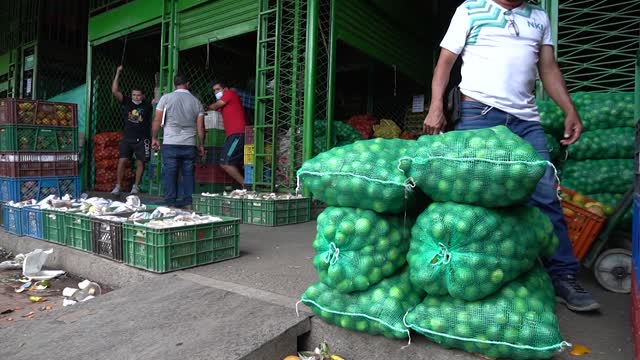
(435, 121)
(555, 86)
(217, 105)
(115, 89)
(201, 133)
(155, 128)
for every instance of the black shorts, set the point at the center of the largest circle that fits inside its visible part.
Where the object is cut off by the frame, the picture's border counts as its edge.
(140, 148)
(233, 150)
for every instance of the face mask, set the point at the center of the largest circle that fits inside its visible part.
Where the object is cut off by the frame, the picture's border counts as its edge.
(219, 95)
(136, 102)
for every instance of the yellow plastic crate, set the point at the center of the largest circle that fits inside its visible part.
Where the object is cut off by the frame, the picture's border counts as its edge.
(249, 151)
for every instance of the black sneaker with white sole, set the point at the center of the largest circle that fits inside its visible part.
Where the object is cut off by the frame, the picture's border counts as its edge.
(573, 295)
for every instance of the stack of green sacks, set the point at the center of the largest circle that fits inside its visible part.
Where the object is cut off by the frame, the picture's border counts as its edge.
(600, 163)
(469, 250)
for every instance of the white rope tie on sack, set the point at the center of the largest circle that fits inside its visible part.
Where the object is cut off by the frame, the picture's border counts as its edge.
(332, 255)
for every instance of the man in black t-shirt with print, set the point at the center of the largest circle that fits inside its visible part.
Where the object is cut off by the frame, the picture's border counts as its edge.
(137, 114)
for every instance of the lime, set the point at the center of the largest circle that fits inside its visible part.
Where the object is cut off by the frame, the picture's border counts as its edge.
(497, 276)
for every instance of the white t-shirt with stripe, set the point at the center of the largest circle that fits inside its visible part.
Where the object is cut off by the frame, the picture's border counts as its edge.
(500, 51)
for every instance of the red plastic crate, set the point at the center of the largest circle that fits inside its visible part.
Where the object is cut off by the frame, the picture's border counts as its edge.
(38, 164)
(39, 112)
(212, 174)
(248, 135)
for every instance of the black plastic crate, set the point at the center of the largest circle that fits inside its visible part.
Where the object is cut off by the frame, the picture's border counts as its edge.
(106, 239)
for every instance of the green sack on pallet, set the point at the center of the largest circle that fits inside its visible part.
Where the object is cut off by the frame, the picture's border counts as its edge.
(605, 110)
(554, 147)
(362, 175)
(488, 167)
(598, 176)
(377, 311)
(616, 143)
(358, 248)
(518, 322)
(469, 252)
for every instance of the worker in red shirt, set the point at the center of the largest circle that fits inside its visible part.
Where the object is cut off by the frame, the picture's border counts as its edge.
(229, 104)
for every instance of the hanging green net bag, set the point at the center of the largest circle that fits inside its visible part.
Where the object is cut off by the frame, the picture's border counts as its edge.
(490, 167)
(362, 175)
(470, 252)
(518, 322)
(377, 311)
(358, 248)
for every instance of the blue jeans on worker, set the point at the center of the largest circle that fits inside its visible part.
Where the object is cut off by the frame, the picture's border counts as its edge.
(476, 115)
(178, 159)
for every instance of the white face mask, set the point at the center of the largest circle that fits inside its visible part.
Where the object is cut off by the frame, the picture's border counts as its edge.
(219, 94)
(136, 102)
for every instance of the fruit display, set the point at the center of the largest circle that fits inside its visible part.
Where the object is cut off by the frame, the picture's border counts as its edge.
(364, 124)
(377, 311)
(469, 252)
(362, 175)
(358, 248)
(343, 134)
(488, 167)
(25, 111)
(616, 143)
(585, 202)
(517, 322)
(598, 176)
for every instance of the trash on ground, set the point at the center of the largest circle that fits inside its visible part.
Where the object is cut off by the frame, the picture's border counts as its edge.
(37, 299)
(45, 308)
(32, 266)
(24, 287)
(7, 311)
(87, 291)
(579, 350)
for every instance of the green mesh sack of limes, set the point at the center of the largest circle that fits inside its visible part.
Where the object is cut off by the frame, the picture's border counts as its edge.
(518, 322)
(342, 134)
(469, 252)
(605, 110)
(490, 167)
(362, 175)
(598, 176)
(376, 311)
(554, 146)
(358, 248)
(616, 143)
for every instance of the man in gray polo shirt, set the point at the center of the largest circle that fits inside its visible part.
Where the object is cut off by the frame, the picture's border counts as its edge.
(183, 120)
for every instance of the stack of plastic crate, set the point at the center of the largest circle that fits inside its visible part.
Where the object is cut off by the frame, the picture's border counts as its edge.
(210, 176)
(38, 149)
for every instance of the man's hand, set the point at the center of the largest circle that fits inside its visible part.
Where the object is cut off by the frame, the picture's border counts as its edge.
(572, 129)
(201, 151)
(155, 144)
(119, 69)
(434, 123)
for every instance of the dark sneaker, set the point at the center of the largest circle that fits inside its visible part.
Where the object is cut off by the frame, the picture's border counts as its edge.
(570, 293)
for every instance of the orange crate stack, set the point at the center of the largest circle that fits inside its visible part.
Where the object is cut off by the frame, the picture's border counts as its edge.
(583, 225)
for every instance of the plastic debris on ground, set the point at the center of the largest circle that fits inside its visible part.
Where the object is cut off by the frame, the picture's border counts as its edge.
(33, 263)
(87, 291)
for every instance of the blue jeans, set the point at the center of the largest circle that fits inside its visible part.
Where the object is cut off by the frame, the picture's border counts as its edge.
(178, 158)
(475, 115)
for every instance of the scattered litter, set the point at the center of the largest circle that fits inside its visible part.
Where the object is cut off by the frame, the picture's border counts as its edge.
(579, 350)
(14, 264)
(29, 315)
(18, 308)
(9, 319)
(88, 290)
(32, 266)
(45, 308)
(37, 299)
(246, 194)
(7, 311)
(182, 220)
(23, 287)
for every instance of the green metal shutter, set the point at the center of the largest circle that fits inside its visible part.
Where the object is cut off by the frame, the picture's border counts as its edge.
(360, 25)
(216, 20)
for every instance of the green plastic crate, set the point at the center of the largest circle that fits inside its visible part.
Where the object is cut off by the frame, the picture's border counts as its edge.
(175, 248)
(53, 225)
(277, 212)
(78, 230)
(215, 137)
(38, 138)
(218, 206)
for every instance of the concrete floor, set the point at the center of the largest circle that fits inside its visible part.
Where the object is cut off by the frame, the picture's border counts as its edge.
(274, 269)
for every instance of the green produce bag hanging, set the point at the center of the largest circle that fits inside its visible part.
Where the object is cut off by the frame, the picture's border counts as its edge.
(358, 248)
(518, 322)
(470, 252)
